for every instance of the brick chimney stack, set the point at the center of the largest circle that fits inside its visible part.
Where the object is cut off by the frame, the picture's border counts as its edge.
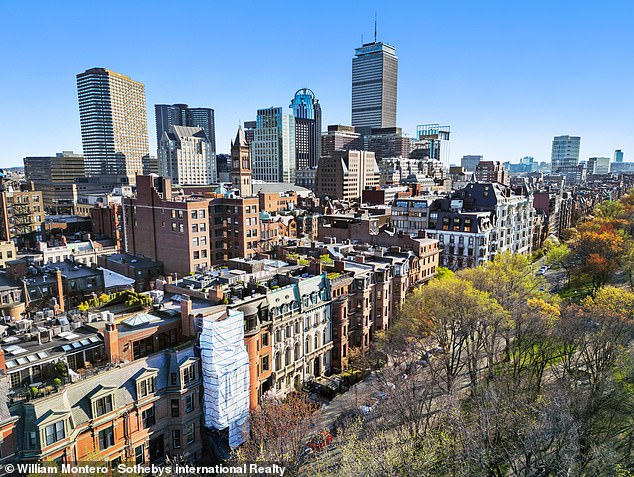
(111, 339)
(186, 319)
(60, 291)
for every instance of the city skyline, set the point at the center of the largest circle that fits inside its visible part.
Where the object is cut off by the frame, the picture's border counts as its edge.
(495, 89)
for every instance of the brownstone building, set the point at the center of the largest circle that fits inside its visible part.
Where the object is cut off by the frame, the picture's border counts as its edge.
(235, 229)
(21, 214)
(167, 228)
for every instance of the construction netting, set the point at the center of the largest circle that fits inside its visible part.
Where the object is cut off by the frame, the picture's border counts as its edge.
(225, 365)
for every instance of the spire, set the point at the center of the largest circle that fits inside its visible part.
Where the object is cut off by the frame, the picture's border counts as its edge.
(241, 139)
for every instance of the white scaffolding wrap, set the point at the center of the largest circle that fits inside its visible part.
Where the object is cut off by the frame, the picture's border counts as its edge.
(225, 365)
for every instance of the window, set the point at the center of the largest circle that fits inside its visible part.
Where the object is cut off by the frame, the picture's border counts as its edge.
(181, 228)
(139, 454)
(190, 432)
(149, 417)
(194, 228)
(147, 386)
(202, 227)
(189, 403)
(194, 214)
(175, 406)
(55, 432)
(173, 379)
(174, 226)
(265, 339)
(103, 406)
(195, 241)
(196, 254)
(189, 375)
(176, 439)
(203, 253)
(265, 363)
(106, 438)
(201, 214)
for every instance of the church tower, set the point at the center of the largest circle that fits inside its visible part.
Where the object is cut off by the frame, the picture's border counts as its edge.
(241, 173)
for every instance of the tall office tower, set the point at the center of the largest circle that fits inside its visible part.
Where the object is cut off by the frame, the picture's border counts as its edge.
(113, 121)
(184, 155)
(565, 152)
(598, 165)
(273, 146)
(65, 166)
(340, 138)
(307, 112)
(374, 82)
(241, 172)
(182, 115)
(470, 162)
(564, 158)
(618, 156)
(346, 174)
(437, 138)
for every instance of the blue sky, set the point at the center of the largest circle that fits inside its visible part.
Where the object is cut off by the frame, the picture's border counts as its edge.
(507, 76)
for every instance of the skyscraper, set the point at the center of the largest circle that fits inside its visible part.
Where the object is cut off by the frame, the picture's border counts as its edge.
(374, 83)
(182, 115)
(184, 155)
(437, 138)
(564, 158)
(273, 146)
(618, 156)
(565, 152)
(113, 119)
(307, 112)
(470, 162)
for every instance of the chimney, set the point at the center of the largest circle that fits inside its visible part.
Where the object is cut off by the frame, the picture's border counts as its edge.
(215, 294)
(111, 340)
(186, 319)
(25, 291)
(340, 266)
(315, 268)
(60, 291)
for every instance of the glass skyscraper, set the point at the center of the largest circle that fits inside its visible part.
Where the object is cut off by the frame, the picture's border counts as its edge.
(273, 146)
(113, 118)
(374, 83)
(307, 112)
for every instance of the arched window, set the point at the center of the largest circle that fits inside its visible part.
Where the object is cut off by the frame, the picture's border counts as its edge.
(297, 352)
(316, 341)
(287, 357)
(307, 346)
(325, 337)
(278, 361)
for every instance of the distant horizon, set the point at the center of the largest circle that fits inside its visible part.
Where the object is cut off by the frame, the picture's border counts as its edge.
(506, 80)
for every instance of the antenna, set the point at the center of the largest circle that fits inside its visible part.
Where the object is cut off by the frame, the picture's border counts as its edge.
(374, 27)
(362, 38)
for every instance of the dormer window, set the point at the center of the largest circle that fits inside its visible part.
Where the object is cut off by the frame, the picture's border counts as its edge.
(146, 387)
(54, 432)
(103, 406)
(189, 375)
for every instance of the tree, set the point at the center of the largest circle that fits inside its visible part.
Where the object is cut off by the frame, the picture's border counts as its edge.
(560, 256)
(278, 430)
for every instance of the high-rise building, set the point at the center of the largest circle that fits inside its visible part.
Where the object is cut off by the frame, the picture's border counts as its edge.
(374, 84)
(55, 177)
(345, 174)
(470, 162)
(491, 171)
(438, 141)
(307, 112)
(618, 156)
(184, 155)
(168, 115)
(273, 146)
(241, 172)
(340, 138)
(599, 165)
(565, 157)
(113, 119)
